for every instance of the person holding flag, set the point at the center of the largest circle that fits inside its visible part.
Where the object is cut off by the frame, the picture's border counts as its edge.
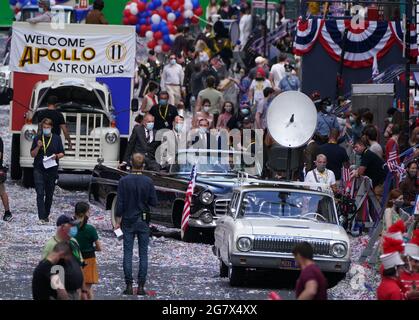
(188, 198)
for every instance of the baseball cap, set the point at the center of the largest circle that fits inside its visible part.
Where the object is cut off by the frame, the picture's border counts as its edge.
(63, 219)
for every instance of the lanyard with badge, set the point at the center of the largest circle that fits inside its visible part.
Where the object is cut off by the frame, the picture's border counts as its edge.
(166, 124)
(43, 143)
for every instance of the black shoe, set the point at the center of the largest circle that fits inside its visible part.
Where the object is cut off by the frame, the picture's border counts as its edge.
(141, 291)
(7, 217)
(128, 290)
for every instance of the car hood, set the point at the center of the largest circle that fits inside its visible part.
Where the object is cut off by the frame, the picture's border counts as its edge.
(294, 228)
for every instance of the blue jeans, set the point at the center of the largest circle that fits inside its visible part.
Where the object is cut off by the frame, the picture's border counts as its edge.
(44, 186)
(142, 231)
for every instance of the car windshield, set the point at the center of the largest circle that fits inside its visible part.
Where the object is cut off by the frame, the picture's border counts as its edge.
(73, 95)
(212, 161)
(288, 205)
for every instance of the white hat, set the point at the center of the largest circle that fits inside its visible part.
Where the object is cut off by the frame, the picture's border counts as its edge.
(411, 250)
(391, 260)
(259, 60)
(395, 235)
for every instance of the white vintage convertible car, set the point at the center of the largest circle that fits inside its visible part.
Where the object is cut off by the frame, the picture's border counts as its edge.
(266, 219)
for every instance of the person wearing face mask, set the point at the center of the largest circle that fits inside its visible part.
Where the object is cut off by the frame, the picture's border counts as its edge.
(262, 110)
(164, 113)
(321, 174)
(150, 99)
(256, 89)
(225, 115)
(45, 13)
(203, 138)
(46, 145)
(236, 121)
(392, 212)
(290, 82)
(326, 121)
(142, 140)
(410, 186)
(371, 166)
(214, 96)
(204, 114)
(392, 144)
(89, 243)
(172, 80)
(66, 231)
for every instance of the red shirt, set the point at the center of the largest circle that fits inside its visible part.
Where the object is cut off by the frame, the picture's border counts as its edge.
(389, 289)
(407, 279)
(312, 272)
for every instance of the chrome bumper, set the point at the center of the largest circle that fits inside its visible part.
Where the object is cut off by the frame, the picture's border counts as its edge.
(272, 261)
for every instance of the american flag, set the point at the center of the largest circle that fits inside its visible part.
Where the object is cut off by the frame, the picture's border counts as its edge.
(393, 163)
(188, 198)
(346, 179)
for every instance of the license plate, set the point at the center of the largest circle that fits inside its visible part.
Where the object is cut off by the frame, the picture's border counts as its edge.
(288, 264)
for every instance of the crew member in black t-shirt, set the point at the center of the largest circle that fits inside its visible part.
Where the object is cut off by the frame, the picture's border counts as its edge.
(57, 119)
(335, 154)
(47, 283)
(44, 146)
(371, 166)
(164, 113)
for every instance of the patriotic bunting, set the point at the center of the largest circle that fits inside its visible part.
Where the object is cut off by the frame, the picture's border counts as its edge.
(375, 39)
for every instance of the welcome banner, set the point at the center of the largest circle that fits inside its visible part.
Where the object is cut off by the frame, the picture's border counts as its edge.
(86, 55)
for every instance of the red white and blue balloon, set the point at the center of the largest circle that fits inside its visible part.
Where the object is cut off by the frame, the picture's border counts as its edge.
(157, 20)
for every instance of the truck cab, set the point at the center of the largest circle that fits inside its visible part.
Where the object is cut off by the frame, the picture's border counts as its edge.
(88, 112)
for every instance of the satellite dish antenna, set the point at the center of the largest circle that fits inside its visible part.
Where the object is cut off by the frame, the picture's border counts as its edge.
(292, 121)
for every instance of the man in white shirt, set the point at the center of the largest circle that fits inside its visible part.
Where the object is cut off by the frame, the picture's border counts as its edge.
(278, 71)
(245, 26)
(45, 10)
(320, 174)
(172, 80)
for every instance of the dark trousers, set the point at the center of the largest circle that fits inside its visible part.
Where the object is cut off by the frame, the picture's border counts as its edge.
(44, 186)
(142, 231)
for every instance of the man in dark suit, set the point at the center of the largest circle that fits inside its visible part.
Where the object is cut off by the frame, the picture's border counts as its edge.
(204, 139)
(142, 140)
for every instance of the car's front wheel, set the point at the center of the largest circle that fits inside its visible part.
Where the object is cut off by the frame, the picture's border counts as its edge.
(223, 269)
(236, 275)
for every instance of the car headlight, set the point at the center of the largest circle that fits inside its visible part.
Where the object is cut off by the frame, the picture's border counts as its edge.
(3, 82)
(111, 137)
(29, 134)
(339, 250)
(206, 217)
(206, 197)
(244, 244)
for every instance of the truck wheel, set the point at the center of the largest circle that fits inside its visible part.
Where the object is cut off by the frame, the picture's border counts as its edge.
(223, 269)
(113, 212)
(15, 169)
(236, 275)
(28, 181)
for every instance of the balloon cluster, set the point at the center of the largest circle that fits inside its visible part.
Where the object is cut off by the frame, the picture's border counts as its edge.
(157, 20)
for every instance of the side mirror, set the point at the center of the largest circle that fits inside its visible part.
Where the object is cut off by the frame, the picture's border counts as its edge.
(134, 105)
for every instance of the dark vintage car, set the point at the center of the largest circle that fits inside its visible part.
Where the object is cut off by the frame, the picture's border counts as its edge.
(214, 183)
